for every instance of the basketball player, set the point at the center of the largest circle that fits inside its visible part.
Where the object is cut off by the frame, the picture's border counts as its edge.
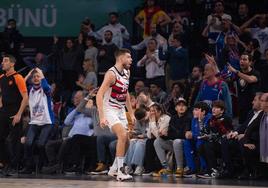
(112, 98)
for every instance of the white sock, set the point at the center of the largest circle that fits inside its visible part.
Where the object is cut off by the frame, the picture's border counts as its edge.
(120, 163)
(114, 166)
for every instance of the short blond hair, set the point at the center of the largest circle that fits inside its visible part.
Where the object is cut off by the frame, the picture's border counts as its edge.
(90, 62)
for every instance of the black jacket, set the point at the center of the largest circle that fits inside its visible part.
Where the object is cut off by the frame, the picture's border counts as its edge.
(251, 130)
(178, 126)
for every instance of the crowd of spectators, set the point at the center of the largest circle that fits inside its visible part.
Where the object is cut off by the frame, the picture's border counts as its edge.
(200, 100)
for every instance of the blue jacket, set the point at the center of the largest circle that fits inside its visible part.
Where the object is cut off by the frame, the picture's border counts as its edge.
(195, 125)
(178, 60)
(217, 91)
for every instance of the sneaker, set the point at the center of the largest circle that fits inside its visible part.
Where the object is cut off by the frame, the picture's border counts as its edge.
(73, 170)
(26, 170)
(204, 175)
(244, 175)
(215, 172)
(162, 172)
(101, 169)
(8, 171)
(112, 172)
(179, 173)
(128, 170)
(189, 173)
(147, 173)
(139, 170)
(209, 175)
(1, 165)
(122, 176)
(51, 169)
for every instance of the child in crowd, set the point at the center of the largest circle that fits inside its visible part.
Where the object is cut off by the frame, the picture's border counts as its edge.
(193, 143)
(215, 137)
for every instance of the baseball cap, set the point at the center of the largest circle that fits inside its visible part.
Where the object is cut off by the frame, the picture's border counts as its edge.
(181, 100)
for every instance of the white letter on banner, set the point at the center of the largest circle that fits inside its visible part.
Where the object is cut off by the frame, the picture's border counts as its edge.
(3, 19)
(10, 11)
(30, 17)
(45, 16)
(20, 15)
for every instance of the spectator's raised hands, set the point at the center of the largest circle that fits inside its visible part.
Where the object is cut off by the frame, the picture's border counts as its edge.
(28, 75)
(210, 59)
(161, 42)
(40, 72)
(55, 39)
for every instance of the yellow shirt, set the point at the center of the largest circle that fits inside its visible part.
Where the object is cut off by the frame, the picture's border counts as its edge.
(155, 19)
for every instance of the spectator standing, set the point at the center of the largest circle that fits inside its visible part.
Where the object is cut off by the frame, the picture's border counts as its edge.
(155, 68)
(177, 59)
(90, 82)
(106, 57)
(14, 41)
(91, 52)
(41, 118)
(151, 14)
(260, 32)
(248, 80)
(193, 85)
(120, 33)
(214, 21)
(70, 58)
(161, 41)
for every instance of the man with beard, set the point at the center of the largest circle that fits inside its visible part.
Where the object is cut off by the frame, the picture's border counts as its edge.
(248, 81)
(42, 118)
(193, 85)
(106, 55)
(119, 31)
(161, 41)
(112, 98)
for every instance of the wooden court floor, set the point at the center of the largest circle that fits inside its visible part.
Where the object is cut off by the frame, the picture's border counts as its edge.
(103, 182)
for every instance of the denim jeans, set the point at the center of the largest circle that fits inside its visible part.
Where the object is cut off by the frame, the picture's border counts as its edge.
(36, 135)
(135, 153)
